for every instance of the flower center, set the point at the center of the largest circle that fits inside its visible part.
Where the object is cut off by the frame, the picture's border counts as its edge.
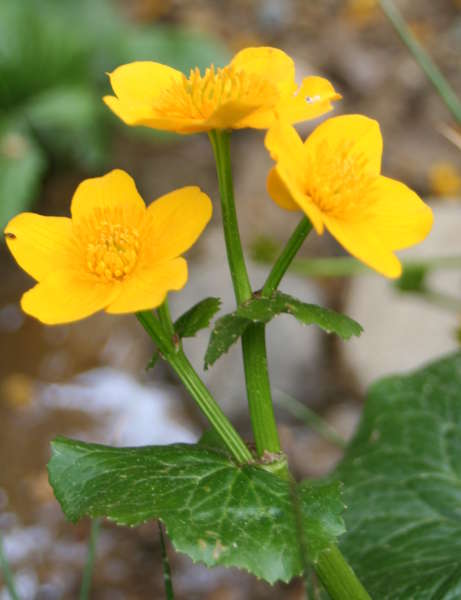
(112, 251)
(199, 96)
(339, 182)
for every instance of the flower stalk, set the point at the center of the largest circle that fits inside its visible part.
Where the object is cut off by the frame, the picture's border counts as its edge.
(286, 256)
(195, 386)
(253, 340)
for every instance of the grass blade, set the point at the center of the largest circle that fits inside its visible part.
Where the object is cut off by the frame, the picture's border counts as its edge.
(431, 70)
(89, 566)
(7, 574)
(169, 594)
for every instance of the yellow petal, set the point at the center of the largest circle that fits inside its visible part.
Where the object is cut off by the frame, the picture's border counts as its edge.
(362, 241)
(40, 245)
(148, 287)
(114, 194)
(312, 100)
(66, 296)
(270, 64)
(278, 191)
(238, 114)
(138, 86)
(174, 222)
(399, 217)
(356, 133)
(132, 116)
(304, 202)
(287, 149)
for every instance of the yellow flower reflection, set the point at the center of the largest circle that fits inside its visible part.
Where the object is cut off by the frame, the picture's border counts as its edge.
(334, 177)
(255, 88)
(113, 254)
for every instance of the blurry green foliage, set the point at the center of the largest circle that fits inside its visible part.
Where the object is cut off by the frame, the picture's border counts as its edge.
(53, 58)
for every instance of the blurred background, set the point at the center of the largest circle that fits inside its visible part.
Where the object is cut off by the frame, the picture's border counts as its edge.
(89, 380)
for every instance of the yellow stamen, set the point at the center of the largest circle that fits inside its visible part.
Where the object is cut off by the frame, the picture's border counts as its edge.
(112, 251)
(339, 182)
(199, 96)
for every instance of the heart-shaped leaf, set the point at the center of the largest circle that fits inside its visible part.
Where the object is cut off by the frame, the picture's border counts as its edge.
(217, 512)
(402, 477)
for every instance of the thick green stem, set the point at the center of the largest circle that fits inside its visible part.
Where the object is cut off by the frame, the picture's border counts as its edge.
(424, 60)
(286, 256)
(259, 390)
(195, 386)
(337, 576)
(253, 340)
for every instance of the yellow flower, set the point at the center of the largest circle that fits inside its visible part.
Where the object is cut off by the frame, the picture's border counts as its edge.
(445, 179)
(334, 177)
(113, 254)
(256, 87)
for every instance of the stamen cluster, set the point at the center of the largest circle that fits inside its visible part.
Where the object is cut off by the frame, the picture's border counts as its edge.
(112, 251)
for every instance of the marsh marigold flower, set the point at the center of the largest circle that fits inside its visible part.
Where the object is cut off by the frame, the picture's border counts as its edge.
(256, 87)
(113, 254)
(334, 177)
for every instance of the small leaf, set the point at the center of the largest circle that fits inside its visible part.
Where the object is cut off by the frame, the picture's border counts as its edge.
(262, 310)
(402, 477)
(226, 332)
(328, 320)
(215, 511)
(154, 360)
(413, 279)
(196, 318)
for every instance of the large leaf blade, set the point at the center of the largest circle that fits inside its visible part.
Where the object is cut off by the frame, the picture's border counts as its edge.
(402, 477)
(217, 512)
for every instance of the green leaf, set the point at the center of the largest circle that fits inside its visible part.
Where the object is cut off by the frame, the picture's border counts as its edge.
(69, 122)
(175, 46)
(260, 309)
(196, 318)
(402, 477)
(413, 279)
(215, 511)
(154, 360)
(226, 332)
(22, 164)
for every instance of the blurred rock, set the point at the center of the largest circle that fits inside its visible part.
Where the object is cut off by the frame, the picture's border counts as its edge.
(403, 331)
(127, 413)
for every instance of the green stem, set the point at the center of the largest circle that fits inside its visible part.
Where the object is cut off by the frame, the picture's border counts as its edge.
(337, 576)
(440, 299)
(346, 266)
(311, 419)
(259, 390)
(220, 142)
(167, 580)
(89, 566)
(195, 386)
(254, 338)
(164, 316)
(286, 256)
(433, 73)
(7, 574)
